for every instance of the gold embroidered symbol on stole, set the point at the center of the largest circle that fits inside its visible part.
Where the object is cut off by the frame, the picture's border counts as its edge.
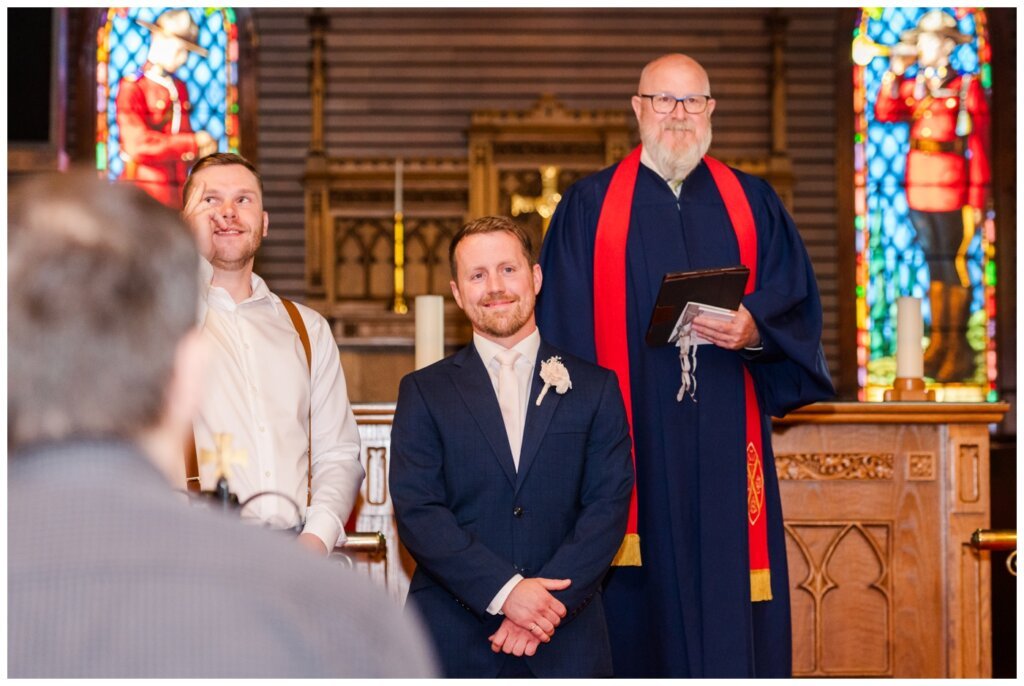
(755, 484)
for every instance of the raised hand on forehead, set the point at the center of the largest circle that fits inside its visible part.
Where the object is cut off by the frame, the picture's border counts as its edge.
(202, 219)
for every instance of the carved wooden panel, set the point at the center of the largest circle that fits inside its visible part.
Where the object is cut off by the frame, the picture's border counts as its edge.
(968, 465)
(377, 475)
(969, 587)
(840, 575)
(933, 597)
(365, 257)
(973, 639)
(508, 148)
(921, 467)
(830, 466)
(515, 185)
(350, 206)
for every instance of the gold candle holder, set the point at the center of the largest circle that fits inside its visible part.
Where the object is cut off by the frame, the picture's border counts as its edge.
(399, 305)
(909, 389)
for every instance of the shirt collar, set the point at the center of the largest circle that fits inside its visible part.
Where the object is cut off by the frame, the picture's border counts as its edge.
(674, 185)
(487, 349)
(220, 298)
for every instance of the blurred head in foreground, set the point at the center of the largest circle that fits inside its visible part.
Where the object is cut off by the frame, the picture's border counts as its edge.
(102, 297)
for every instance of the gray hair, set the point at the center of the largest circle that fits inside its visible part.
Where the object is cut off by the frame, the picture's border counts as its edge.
(102, 286)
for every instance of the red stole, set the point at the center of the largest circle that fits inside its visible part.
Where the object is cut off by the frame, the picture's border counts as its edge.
(613, 348)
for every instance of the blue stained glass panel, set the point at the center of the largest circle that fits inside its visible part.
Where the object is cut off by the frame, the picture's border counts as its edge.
(204, 77)
(895, 261)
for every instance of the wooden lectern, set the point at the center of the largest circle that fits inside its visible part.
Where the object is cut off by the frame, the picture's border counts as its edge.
(880, 501)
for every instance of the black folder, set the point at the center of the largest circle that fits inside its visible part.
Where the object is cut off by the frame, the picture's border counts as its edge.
(722, 287)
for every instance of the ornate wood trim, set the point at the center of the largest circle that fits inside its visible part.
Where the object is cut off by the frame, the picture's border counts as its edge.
(549, 133)
(835, 466)
(896, 413)
(968, 473)
(377, 474)
(967, 584)
(921, 467)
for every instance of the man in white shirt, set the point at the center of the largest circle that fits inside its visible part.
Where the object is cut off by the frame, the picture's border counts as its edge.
(262, 393)
(511, 478)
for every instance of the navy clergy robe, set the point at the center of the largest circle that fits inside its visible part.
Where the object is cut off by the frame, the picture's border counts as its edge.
(687, 610)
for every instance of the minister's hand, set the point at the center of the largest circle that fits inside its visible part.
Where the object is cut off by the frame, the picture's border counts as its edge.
(738, 333)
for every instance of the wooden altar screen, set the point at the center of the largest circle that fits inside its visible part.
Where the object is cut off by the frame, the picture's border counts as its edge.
(350, 227)
(350, 204)
(521, 161)
(880, 501)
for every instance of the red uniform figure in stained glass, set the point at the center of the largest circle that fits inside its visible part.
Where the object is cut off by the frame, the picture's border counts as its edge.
(947, 176)
(157, 141)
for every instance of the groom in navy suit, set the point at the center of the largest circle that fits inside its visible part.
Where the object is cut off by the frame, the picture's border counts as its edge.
(511, 477)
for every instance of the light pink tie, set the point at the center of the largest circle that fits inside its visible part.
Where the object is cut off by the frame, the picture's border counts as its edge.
(508, 400)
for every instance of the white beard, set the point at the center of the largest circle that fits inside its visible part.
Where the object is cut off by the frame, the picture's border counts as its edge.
(673, 164)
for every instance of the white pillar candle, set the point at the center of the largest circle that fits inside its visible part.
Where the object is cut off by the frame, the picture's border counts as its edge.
(909, 332)
(429, 329)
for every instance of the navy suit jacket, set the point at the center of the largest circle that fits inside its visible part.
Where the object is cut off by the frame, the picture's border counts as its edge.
(472, 521)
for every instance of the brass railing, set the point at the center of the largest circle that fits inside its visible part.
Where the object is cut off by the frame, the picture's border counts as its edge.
(997, 539)
(371, 542)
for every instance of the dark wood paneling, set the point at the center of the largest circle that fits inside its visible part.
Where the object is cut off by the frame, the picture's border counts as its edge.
(811, 114)
(1003, 27)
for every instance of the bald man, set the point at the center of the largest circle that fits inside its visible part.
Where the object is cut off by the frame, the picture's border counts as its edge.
(700, 587)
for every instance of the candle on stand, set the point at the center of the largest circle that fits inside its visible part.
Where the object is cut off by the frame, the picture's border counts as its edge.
(909, 382)
(909, 332)
(429, 329)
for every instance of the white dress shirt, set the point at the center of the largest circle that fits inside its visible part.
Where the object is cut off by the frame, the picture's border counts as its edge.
(524, 366)
(257, 390)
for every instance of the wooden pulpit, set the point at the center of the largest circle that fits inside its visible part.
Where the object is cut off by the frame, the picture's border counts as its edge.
(880, 501)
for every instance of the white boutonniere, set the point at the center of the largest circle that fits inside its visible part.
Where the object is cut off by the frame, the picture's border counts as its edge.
(554, 373)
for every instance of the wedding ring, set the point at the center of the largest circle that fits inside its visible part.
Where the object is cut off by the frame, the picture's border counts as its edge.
(533, 627)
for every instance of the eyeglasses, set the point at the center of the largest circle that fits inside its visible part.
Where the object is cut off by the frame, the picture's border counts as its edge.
(664, 103)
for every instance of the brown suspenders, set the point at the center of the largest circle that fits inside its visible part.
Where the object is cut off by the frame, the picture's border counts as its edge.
(300, 327)
(192, 464)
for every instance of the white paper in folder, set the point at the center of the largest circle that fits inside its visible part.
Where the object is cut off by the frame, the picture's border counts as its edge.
(691, 312)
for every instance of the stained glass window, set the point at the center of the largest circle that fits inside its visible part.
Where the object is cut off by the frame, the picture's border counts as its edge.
(923, 222)
(167, 91)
